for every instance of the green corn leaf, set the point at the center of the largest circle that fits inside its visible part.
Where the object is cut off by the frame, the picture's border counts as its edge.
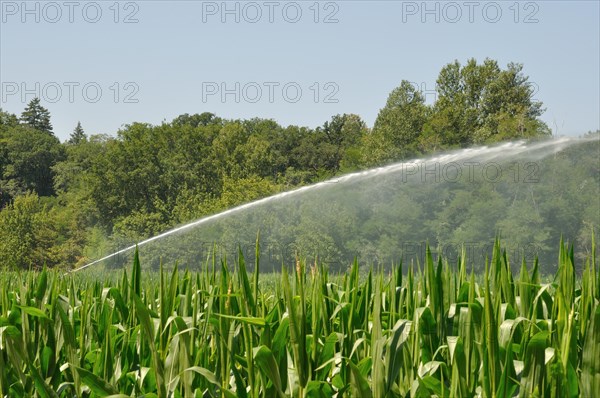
(245, 282)
(535, 362)
(33, 311)
(100, 387)
(395, 349)
(264, 358)
(590, 366)
(318, 389)
(245, 319)
(148, 328)
(508, 381)
(42, 285)
(360, 385)
(136, 274)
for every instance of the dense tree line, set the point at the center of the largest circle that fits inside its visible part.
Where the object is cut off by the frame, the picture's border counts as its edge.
(65, 203)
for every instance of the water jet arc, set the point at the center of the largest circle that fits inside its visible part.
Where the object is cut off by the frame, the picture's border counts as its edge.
(378, 179)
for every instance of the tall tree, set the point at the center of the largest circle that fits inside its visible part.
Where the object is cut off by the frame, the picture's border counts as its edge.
(480, 103)
(342, 133)
(37, 117)
(26, 159)
(78, 135)
(398, 125)
(27, 234)
(7, 119)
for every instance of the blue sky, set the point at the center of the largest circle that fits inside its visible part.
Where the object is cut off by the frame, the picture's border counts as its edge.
(295, 62)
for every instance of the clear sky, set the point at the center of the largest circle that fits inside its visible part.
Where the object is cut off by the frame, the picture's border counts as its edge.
(109, 63)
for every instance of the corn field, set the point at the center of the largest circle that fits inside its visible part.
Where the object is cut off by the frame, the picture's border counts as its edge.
(432, 329)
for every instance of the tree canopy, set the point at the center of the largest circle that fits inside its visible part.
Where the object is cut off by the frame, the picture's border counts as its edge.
(66, 203)
(37, 117)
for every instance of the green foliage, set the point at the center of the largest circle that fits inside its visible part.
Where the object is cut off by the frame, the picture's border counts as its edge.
(36, 234)
(78, 135)
(480, 103)
(476, 104)
(26, 160)
(398, 126)
(8, 119)
(37, 117)
(434, 332)
(104, 192)
(24, 227)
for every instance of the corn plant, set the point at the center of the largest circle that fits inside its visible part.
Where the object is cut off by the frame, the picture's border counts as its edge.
(418, 330)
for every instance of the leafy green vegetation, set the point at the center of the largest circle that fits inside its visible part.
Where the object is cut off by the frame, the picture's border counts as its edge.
(435, 329)
(382, 216)
(93, 194)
